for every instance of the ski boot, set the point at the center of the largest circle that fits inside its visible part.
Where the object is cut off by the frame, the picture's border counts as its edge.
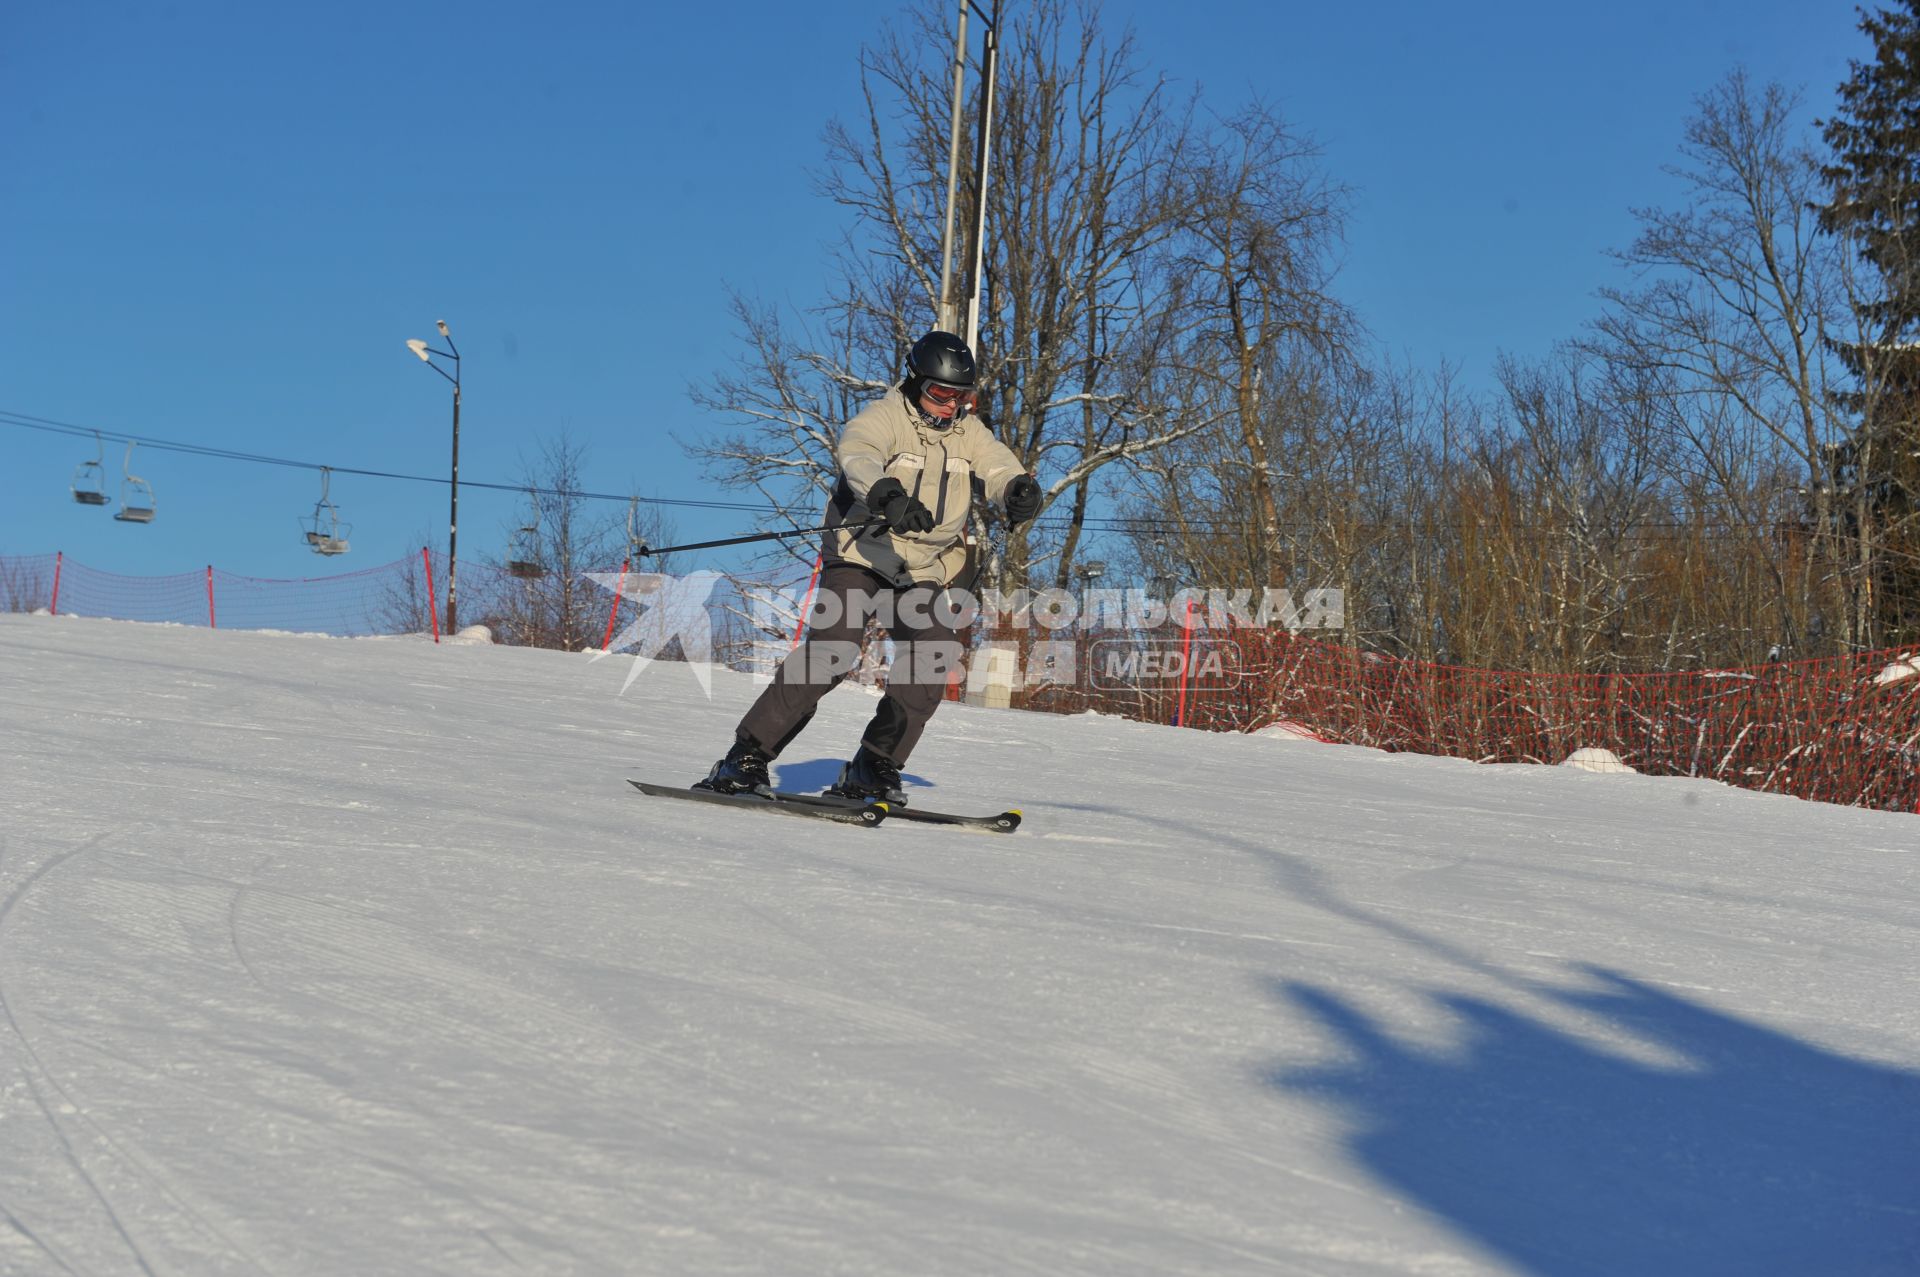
(742, 771)
(870, 778)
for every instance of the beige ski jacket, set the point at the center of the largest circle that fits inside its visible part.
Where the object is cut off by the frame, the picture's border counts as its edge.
(937, 467)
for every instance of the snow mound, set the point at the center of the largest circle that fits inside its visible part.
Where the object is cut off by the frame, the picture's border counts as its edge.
(1286, 729)
(472, 636)
(1598, 760)
(1898, 672)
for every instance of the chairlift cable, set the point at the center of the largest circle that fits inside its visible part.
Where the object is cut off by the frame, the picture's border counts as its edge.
(1092, 523)
(22, 420)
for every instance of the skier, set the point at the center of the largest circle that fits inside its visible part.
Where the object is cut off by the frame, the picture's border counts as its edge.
(897, 520)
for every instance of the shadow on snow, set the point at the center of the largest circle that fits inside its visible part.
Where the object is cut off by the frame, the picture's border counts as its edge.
(817, 773)
(1761, 1155)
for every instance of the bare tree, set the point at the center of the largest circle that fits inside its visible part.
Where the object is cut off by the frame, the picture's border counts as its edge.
(1261, 331)
(1085, 151)
(1735, 320)
(404, 605)
(543, 595)
(790, 395)
(1079, 215)
(24, 586)
(1678, 499)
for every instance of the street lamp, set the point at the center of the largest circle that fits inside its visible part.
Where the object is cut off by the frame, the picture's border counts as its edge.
(452, 352)
(1163, 578)
(1088, 573)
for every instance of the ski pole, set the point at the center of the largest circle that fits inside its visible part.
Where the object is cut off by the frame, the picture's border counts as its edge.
(642, 549)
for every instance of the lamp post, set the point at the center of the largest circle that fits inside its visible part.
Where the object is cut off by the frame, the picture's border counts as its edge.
(452, 352)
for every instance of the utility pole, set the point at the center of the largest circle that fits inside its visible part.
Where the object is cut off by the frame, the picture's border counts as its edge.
(946, 317)
(948, 311)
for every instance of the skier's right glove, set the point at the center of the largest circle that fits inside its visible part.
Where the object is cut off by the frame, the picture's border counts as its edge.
(889, 499)
(1023, 498)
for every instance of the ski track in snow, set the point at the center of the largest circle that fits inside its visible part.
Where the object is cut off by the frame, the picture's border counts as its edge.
(359, 956)
(109, 1153)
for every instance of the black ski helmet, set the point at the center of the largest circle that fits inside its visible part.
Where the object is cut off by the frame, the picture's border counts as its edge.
(940, 358)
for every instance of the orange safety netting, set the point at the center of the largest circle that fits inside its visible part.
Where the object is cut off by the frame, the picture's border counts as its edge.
(1842, 730)
(376, 600)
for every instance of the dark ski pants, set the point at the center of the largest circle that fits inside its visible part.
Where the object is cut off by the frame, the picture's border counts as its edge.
(921, 620)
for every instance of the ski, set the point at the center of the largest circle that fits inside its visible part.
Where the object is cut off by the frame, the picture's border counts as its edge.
(1000, 823)
(845, 812)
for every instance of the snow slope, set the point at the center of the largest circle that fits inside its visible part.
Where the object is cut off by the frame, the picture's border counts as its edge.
(358, 956)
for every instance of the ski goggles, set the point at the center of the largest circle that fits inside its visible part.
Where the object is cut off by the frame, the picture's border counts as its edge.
(942, 394)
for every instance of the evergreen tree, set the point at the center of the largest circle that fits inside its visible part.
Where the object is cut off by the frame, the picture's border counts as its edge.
(1874, 179)
(1875, 174)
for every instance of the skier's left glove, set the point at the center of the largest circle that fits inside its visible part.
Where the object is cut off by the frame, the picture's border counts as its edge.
(1022, 498)
(889, 499)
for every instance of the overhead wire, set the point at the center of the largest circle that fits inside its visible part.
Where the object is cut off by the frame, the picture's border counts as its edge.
(1134, 524)
(48, 425)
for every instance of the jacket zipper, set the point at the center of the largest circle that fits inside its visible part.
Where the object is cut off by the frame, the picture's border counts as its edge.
(940, 511)
(919, 478)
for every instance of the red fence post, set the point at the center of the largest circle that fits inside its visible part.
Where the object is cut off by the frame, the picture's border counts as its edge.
(1186, 655)
(618, 590)
(57, 556)
(210, 624)
(433, 613)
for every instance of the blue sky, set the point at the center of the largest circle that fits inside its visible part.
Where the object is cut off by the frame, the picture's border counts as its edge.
(219, 222)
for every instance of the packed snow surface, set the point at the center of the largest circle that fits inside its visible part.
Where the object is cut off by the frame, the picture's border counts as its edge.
(360, 957)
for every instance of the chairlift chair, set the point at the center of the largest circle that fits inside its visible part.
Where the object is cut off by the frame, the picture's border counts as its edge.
(90, 477)
(325, 533)
(524, 559)
(524, 563)
(136, 494)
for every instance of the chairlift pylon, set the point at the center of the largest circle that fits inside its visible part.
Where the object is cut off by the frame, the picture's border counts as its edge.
(90, 477)
(524, 559)
(136, 494)
(325, 533)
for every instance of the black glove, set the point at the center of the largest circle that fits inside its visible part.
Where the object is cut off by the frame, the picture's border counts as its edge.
(1022, 498)
(888, 499)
